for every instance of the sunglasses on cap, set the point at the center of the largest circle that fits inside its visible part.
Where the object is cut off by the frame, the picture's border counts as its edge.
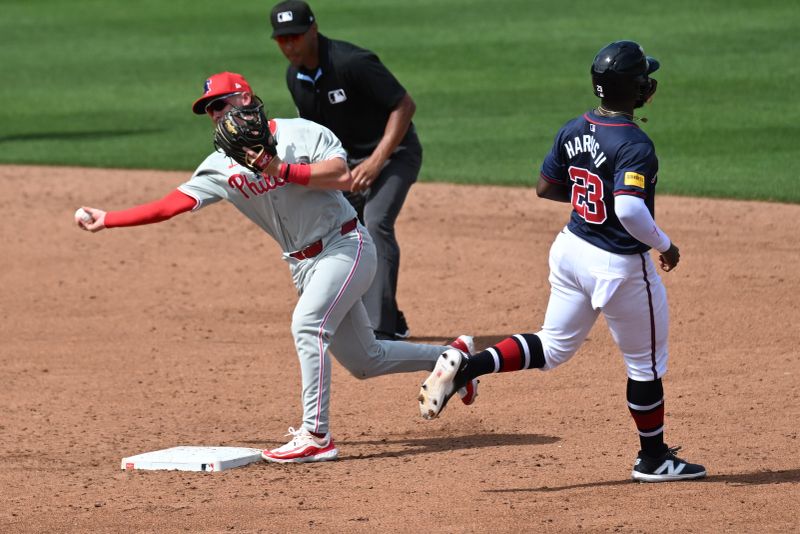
(219, 103)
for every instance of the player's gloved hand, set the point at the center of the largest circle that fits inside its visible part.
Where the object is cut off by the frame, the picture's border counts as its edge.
(243, 134)
(669, 258)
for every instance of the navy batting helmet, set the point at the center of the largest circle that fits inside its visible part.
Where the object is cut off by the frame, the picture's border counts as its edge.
(620, 71)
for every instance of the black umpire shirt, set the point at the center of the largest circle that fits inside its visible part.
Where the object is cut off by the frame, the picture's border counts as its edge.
(351, 92)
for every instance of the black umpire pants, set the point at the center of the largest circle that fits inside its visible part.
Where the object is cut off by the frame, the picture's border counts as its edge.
(382, 203)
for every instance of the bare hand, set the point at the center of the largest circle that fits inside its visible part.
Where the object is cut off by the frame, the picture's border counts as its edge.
(670, 258)
(364, 174)
(98, 220)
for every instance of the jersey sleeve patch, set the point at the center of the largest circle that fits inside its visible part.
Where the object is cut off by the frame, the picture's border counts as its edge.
(634, 179)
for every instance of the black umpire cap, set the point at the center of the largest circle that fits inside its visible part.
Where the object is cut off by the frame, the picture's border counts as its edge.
(291, 17)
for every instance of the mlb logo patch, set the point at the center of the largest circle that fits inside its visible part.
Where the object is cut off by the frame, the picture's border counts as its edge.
(635, 179)
(207, 86)
(337, 96)
(285, 16)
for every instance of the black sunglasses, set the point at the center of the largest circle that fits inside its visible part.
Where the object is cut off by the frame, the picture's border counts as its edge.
(219, 103)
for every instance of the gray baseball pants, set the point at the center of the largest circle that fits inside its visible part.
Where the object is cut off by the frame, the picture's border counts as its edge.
(330, 315)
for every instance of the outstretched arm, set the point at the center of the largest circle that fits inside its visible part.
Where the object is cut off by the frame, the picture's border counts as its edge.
(171, 205)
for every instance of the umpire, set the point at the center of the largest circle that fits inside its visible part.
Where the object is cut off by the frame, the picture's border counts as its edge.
(349, 90)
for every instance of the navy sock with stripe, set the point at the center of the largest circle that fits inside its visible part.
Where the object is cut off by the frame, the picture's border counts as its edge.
(646, 404)
(521, 351)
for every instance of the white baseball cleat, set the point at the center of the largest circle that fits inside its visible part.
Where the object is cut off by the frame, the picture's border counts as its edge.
(469, 392)
(440, 385)
(463, 343)
(302, 448)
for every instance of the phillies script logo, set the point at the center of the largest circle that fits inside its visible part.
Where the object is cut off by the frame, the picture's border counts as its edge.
(262, 185)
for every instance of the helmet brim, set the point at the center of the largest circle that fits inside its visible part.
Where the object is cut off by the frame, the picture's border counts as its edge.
(652, 64)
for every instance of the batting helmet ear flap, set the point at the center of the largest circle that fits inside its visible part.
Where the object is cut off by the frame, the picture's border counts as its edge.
(599, 92)
(646, 91)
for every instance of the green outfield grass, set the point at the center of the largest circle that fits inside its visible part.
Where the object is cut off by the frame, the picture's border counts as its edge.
(110, 83)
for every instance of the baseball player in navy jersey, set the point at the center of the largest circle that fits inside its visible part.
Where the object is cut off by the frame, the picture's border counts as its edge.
(297, 200)
(606, 167)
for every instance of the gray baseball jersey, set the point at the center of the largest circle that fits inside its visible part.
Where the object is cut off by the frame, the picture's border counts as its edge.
(329, 312)
(293, 215)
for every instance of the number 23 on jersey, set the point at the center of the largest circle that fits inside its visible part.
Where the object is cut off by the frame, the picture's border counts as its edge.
(587, 195)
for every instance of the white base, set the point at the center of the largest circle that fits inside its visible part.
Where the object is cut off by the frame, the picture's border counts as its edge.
(193, 459)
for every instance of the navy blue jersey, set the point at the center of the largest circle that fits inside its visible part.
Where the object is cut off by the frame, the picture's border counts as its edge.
(601, 157)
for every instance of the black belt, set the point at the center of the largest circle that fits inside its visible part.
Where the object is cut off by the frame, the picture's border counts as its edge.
(315, 248)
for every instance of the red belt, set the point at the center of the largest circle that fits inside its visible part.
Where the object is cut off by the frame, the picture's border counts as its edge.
(315, 248)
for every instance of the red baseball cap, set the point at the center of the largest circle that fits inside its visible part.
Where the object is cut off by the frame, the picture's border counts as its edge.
(223, 83)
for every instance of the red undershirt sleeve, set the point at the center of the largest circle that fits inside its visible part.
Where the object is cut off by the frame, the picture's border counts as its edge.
(171, 205)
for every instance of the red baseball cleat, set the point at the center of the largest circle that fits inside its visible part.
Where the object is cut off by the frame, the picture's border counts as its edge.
(302, 448)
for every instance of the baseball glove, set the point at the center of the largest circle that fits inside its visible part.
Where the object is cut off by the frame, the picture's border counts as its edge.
(246, 127)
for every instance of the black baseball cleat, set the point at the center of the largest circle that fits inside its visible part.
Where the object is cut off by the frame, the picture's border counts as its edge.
(401, 330)
(665, 468)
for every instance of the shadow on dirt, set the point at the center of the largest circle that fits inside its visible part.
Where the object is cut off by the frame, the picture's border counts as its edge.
(413, 446)
(791, 476)
(388, 448)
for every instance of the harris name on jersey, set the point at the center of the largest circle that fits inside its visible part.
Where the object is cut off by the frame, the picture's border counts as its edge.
(585, 144)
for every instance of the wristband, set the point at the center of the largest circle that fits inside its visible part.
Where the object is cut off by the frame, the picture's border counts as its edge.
(297, 173)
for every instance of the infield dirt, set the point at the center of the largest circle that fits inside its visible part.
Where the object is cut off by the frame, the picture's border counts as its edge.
(133, 340)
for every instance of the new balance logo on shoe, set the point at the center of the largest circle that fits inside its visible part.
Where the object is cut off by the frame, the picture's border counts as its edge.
(665, 468)
(671, 468)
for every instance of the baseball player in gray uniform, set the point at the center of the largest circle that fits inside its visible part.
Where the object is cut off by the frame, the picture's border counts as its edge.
(297, 201)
